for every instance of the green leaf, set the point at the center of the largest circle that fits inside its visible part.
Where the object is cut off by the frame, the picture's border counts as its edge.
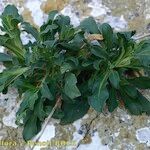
(10, 20)
(136, 106)
(145, 103)
(140, 82)
(65, 67)
(70, 89)
(28, 101)
(11, 10)
(2, 87)
(30, 97)
(99, 93)
(39, 111)
(23, 84)
(87, 63)
(3, 39)
(30, 128)
(89, 25)
(31, 30)
(67, 33)
(5, 57)
(130, 90)
(112, 102)
(73, 60)
(70, 46)
(67, 99)
(46, 93)
(14, 71)
(49, 28)
(99, 52)
(62, 20)
(52, 15)
(69, 64)
(12, 45)
(132, 105)
(127, 35)
(107, 33)
(114, 79)
(97, 101)
(74, 111)
(9, 76)
(96, 64)
(49, 43)
(143, 53)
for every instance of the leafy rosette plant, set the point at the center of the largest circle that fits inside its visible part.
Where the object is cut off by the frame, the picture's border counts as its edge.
(68, 69)
(117, 62)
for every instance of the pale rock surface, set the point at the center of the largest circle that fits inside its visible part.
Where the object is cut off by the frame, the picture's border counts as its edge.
(115, 131)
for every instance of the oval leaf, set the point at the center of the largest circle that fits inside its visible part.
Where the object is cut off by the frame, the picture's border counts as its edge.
(114, 79)
(5, 57)
(70, 88)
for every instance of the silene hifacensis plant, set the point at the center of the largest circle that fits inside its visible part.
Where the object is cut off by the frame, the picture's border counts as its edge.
(67, 69)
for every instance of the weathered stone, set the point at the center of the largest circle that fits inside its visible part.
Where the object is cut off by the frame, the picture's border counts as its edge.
(50, 5)
(118, 130)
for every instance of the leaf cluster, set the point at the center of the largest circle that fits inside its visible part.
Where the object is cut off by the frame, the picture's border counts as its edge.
(63, 62)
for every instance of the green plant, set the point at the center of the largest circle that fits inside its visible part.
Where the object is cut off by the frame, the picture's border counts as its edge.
(66, 70)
